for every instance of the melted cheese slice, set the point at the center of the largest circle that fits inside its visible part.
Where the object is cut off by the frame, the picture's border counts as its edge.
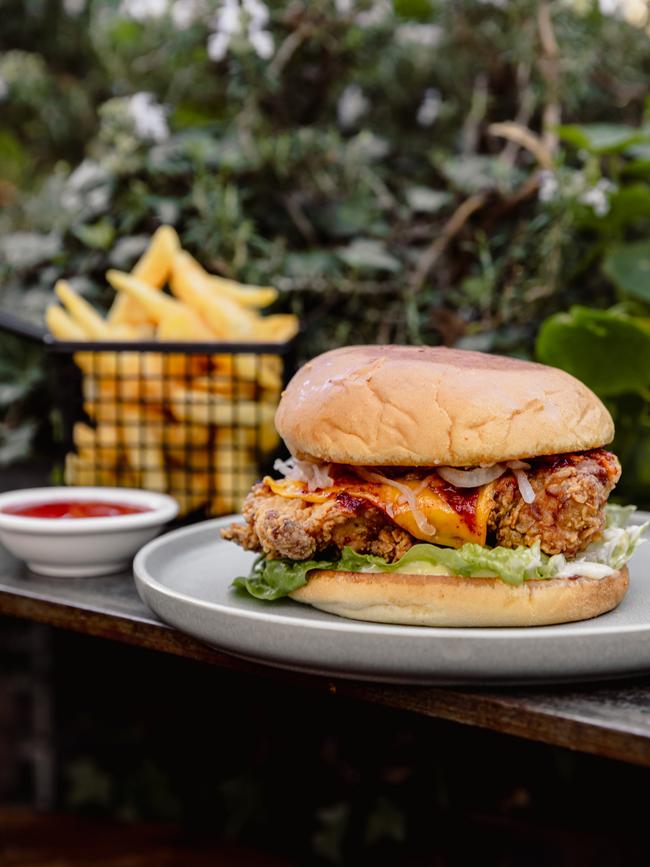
(456, 516)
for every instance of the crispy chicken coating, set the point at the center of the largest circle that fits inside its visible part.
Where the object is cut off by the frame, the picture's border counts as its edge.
(566, 515)
(568, 512)
(293, 528)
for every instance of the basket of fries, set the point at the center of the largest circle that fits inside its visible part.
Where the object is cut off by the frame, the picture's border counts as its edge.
(173, 391)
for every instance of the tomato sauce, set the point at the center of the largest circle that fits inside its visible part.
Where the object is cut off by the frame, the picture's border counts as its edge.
(74, 509)
(462, 500)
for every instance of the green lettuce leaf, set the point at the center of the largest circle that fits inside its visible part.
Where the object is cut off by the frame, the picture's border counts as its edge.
(512, 565)
(271, 579)
(618, 516)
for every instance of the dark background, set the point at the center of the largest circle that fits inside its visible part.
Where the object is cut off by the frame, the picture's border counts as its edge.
(130, 736)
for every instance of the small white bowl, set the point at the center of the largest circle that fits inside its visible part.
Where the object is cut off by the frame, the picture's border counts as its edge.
(80, 547)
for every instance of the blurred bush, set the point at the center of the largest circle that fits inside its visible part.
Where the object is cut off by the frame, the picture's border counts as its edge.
(418, 171)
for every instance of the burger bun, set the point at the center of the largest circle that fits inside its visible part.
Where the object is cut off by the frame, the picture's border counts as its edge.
(449, 600)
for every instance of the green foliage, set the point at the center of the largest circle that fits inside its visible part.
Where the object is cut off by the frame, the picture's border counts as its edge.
(609, 349)
(332, 161)
(628, 267)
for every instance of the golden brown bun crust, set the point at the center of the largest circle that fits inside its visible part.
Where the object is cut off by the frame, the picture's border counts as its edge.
(443, 600)
(432, 406)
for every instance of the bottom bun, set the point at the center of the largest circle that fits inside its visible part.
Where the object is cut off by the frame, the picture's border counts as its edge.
(448, 600)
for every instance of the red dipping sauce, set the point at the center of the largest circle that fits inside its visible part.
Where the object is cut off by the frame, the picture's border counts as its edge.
(74, 509)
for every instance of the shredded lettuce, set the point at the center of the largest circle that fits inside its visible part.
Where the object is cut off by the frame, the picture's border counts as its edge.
(271, 579)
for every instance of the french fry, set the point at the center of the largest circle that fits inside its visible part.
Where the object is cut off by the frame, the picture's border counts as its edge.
(62, 326)
(191, 490)
(153, 268)
(254, 368)
(225, 318)
(79, 471)
(269, 438)
(188, 404)
(263, 439)
(84, 314)
(143, 449)
(128, 376)
(279, 327)
(176, 321)
(110, 411)
(87, 318)
(183, 324)
(180, 439)
(121, 365)
(199, 460)
(102, 443)
(235, 471)
(185, 366)
(237, 389)
(245, 295)
(154, 302)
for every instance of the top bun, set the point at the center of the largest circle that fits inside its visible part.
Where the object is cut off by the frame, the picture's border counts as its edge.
(432, 406)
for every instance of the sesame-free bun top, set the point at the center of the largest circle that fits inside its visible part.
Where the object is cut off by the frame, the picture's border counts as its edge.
(432, 406)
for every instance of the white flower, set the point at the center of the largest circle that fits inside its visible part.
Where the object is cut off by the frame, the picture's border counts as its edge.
(87, 187)
(257, 13)
(344, 7)
(218, 46)
(427, 35)
(74, 7)
(262, 42)
(186, 12)
(429, 107)
(351, 106)
(229, 18)
(233, 19)
(548, 186)
(376, 14)
(4, 88)
(87, 174)
(149, 117)
(142, 10)
(597, 197)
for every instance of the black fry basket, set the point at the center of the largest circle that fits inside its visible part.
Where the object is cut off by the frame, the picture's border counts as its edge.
(194, 420)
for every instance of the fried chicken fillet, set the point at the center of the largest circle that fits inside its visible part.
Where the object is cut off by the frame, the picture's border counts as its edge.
(567, 514)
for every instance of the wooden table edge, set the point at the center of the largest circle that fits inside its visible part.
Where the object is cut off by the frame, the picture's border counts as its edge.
(495, 712)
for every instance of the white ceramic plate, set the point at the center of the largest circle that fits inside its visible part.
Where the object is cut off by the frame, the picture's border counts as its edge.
(185, 578)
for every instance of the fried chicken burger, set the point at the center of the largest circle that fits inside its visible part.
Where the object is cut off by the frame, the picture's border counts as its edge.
(440, 487)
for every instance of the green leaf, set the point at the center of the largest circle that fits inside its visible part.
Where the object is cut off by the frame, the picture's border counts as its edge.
(271, 579)
(27, 249)
(365, 254)
(628, 266)
(627, 206)
(414, 10)
(607, 350)
(618, 516)
(99, 235)
(426, 200)
(16, 442)
(602, 138)
(475, 174)
(345, 219)
(314, 263)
